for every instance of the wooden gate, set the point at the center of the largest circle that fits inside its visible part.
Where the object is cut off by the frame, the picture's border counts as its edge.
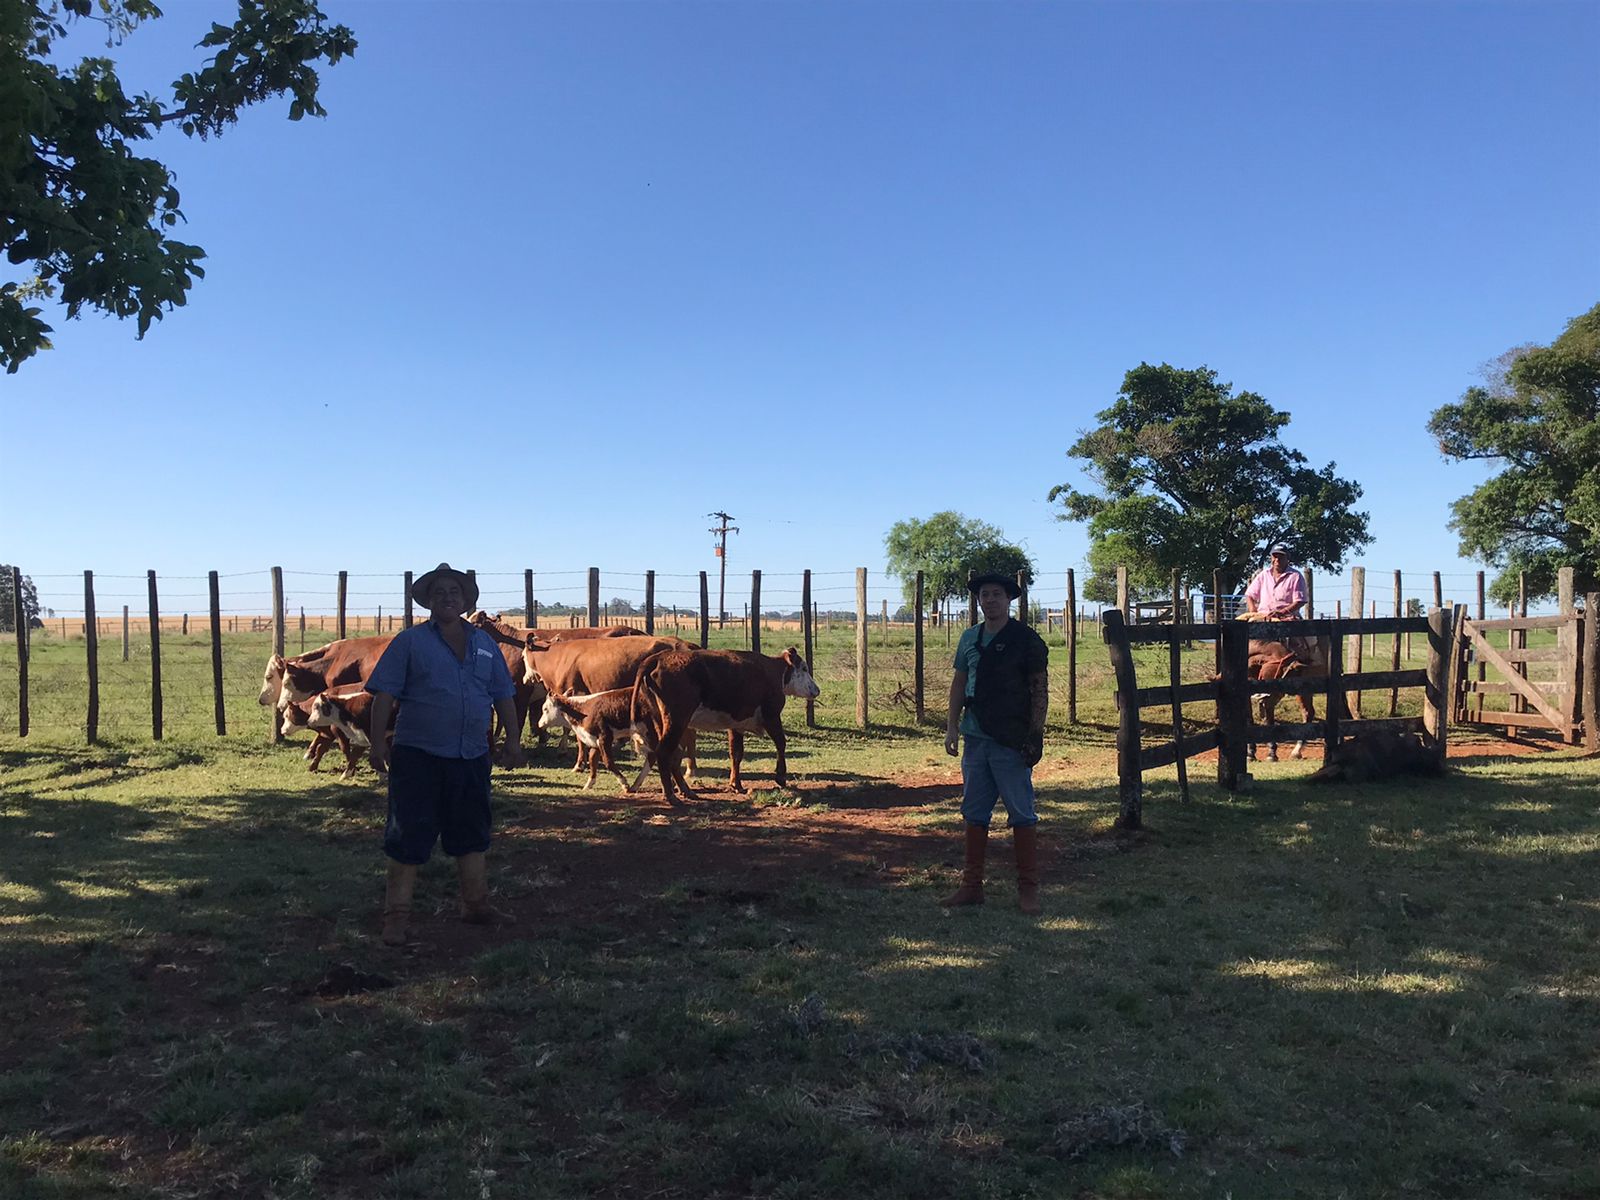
(1544, 686)
(1233, 728)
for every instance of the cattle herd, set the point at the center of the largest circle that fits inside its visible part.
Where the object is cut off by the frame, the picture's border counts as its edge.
(602, 684)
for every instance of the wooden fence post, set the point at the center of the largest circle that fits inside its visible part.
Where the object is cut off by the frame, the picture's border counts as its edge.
(219, 708)
(91, 645)
(1358, 597)
(340, 601)
(1130, 782)
(808, 629)
(406, 617)
(19, 617)
(155, 659)
(1023, 614)
(1438, 590)
(1519, 639)
(755, 611)
(1217, 618)
(1591, 673)
(1174, 673)
(1482, 672)
(1122, 594)
(705, 611)
(1233, 703)
(279, 631)
(125, 638)
(916, 654)
(861, 647)
(1070, 620)
(1311, 595)
(649, 601)
(1567, 645)
(972, 599)
(1394, 652)
(594, 596)
(1332, 716)
(1436, 694)
(1177, 592)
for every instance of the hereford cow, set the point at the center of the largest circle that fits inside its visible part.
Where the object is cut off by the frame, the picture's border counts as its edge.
(306, 675)
(596, 721)
(588, 666)
(298, 716)
(349, 715)
(591, 665)
(737, 690)
(529, 689)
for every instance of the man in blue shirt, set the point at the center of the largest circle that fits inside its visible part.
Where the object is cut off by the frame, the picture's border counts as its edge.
(447, 676)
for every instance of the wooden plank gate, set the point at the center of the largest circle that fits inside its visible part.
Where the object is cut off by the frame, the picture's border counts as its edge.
(1233, 727)
(1544, 686)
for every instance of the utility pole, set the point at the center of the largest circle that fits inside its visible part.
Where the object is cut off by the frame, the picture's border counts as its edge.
(722, 529)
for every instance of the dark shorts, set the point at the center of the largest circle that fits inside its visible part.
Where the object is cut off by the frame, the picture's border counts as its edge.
(432, 799)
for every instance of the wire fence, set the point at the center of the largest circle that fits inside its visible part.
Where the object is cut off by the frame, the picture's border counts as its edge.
(57, 676)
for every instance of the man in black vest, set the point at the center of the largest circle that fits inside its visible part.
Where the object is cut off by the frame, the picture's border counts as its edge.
(998, 698)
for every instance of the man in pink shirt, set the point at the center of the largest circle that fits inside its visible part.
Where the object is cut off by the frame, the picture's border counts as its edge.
(1278, 592)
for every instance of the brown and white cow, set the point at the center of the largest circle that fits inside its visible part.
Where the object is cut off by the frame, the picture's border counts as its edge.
(529, 689)
(298, 716)
(737, 690)
(348, 713)
(596, 722)
(587, 666)
(306, 675)
(591, 665)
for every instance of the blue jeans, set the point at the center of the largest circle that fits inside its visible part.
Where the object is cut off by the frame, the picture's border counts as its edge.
(990, 772)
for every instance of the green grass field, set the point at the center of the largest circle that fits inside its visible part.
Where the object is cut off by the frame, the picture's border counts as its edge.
(1295, 991)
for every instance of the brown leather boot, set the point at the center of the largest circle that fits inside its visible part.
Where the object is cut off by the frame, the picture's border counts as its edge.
(473, 874)
(971, 889)
(397, 891)
(1026, 838)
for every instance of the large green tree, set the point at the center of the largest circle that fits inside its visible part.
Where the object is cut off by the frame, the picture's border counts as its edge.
(1195, 477)
(88, 219)
(944, 548)
(1538, 417)
(8, 607)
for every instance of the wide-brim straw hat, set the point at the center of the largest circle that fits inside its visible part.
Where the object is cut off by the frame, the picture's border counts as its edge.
(1005, 581)
(424, 584)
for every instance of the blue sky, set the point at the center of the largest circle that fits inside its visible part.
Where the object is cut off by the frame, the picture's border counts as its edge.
(553, 281)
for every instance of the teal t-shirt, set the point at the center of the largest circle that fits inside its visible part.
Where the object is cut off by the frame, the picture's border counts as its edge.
(967, 660)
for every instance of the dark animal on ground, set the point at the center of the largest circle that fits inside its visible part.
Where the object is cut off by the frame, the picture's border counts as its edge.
(1379, 754)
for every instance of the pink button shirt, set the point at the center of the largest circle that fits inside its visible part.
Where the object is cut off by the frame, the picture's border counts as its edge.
(1276, 595)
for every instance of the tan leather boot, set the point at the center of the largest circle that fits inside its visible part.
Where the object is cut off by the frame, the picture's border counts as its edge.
(473, 874)
(397, 891)
(1026, 838)
(971, 889)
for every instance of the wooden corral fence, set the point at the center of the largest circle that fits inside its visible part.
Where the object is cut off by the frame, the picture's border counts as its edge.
(1233, 728)
(1560, 697)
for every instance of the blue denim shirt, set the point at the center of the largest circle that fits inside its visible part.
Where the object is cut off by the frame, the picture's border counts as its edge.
(445, 703)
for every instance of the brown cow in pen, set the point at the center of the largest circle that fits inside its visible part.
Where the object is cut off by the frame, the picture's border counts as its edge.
(596, 722)
(297, 715)
(348, 715)
(349, 661)
(737, 690)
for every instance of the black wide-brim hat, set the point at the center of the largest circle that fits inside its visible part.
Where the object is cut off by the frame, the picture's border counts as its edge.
(1005, 581)
(469, 587)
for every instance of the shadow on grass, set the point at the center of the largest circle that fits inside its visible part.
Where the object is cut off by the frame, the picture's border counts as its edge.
(1371, 990)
